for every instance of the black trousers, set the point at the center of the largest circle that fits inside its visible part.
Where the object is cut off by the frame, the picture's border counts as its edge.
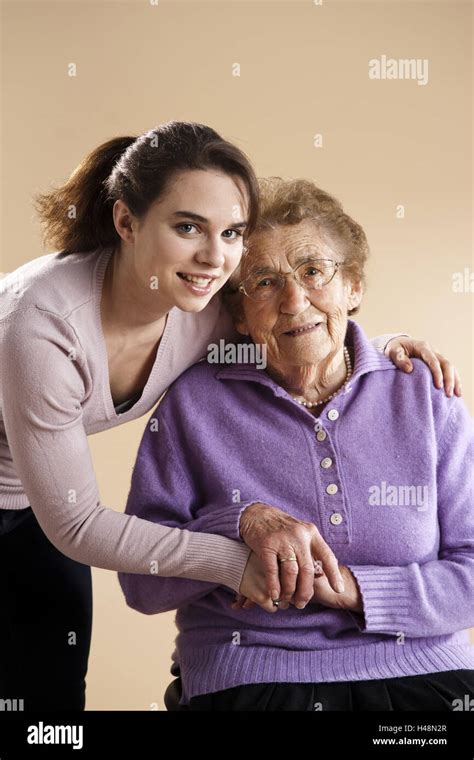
(433, 691)
(45, 618)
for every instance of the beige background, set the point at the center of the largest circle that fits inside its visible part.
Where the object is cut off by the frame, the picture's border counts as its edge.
(304, 71)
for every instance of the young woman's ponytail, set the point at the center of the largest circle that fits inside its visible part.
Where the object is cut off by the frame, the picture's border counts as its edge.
(77, 216)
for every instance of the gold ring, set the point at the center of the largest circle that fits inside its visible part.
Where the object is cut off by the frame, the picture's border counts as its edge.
(288, 559)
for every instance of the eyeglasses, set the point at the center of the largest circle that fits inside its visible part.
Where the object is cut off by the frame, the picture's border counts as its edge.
(311, 275)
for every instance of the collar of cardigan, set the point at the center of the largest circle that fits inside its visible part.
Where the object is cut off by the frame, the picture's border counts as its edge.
(367, 359)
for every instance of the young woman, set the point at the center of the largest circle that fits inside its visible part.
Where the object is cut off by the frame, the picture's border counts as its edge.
(147, 231)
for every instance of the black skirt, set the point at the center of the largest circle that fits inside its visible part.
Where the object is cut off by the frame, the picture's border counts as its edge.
(432, 691)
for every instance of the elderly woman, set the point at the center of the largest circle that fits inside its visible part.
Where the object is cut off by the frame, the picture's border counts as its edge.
(330, 431)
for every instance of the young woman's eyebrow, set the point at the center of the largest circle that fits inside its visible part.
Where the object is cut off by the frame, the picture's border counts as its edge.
(199, 218)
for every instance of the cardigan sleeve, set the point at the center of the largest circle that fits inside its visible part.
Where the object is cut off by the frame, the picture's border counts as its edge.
(44, 381)
(436, 597)
(159, 484)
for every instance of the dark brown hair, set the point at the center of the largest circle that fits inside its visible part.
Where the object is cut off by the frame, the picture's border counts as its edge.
(77, 216)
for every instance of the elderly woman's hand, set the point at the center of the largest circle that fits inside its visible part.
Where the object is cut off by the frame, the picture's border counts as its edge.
(275, 535)
(399, 350)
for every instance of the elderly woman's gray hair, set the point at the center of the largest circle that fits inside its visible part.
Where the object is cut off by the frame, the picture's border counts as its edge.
(288, 202)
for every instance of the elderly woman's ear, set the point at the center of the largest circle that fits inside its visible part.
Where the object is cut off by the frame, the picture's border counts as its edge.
(240, 325)
(236, 308)
(233, 301)
(355, 292)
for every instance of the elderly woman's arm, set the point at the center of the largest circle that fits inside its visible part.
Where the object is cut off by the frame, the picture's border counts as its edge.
(437, 597)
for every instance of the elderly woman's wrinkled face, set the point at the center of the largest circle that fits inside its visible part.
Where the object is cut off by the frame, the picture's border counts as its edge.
(278, 320)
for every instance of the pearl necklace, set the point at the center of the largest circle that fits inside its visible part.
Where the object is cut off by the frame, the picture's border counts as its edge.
(310, 405)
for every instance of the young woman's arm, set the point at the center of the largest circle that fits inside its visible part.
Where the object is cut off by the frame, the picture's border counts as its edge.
(44, 381)
(165, 490)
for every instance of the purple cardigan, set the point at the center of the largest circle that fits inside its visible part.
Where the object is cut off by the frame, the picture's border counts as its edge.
(394, 500)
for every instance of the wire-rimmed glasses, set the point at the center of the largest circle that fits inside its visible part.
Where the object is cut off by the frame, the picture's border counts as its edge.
(313, 274)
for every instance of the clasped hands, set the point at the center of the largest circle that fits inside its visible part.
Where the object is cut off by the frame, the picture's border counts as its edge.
(315, 577)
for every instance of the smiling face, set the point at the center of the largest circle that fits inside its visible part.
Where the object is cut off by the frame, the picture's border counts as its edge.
(277, 322)
(188, 243)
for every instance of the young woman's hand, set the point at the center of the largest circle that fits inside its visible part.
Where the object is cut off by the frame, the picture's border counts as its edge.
(350, 599)
(253, 588)
(399, 350)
